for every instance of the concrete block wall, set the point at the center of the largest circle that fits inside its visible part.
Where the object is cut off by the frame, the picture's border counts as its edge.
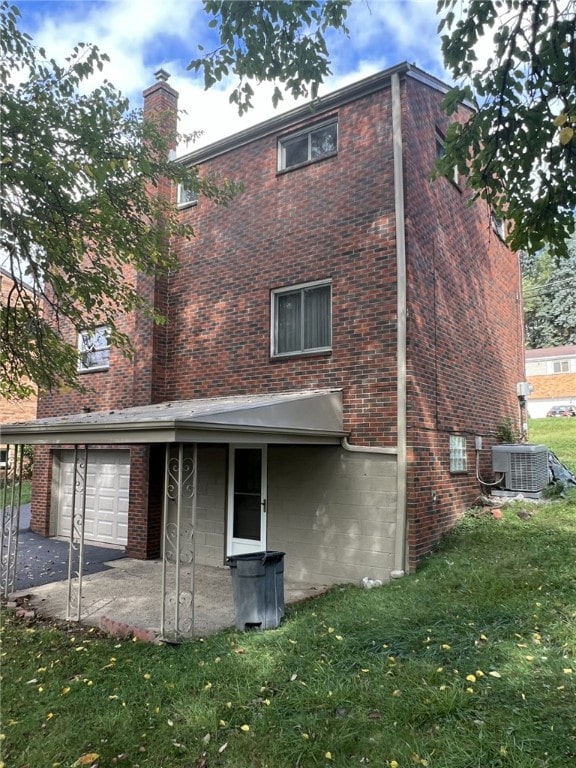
(332, 512)
(211, 506)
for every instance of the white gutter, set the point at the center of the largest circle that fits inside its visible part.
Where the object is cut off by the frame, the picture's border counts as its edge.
(400, 541)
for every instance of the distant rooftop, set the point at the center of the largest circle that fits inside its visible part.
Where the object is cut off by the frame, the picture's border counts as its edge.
(550, 352)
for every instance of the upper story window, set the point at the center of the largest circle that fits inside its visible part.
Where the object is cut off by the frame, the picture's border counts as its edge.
(458, 454)
(561, 366)
(308, 145)
(3, 456)
(186, 196)
(302, 319)
(94, 349)
(499, 227)
(441, 152)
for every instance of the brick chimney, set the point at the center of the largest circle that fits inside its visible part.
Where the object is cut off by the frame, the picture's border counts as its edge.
(161, 106)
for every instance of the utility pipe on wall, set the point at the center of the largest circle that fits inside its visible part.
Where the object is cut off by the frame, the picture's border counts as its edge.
(400, 541)
(399, 568)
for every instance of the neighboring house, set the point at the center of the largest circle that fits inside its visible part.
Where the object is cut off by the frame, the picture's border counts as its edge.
(337, 337)
(552, 374)
(11, 410)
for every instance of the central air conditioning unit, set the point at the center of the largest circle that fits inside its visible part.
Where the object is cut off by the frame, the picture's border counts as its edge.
(525, 468)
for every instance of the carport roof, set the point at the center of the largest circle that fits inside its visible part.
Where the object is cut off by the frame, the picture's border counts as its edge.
(311, 416)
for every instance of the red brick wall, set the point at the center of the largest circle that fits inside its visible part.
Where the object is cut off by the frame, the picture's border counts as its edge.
(42, 488)
(13, 410)
(332, 219)
(465, 346)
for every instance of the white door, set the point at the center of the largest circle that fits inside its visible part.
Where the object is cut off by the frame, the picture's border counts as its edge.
(246, 529)
(107, 495)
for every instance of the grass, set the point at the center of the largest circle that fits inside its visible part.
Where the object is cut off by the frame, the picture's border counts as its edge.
(25, 496)
(470, 663)
(559, 435)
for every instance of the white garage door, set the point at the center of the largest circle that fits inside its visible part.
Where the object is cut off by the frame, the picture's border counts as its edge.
(107, 492)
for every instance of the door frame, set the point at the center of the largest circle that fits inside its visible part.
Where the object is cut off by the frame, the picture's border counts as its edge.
(244, 546)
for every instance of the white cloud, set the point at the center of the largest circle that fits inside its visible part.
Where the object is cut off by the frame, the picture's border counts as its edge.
(391, 31)
(140, 36)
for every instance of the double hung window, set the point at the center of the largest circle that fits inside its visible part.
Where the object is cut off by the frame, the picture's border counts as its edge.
(302, 319)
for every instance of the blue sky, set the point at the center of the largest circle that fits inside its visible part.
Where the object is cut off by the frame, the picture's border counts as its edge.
(142, 35)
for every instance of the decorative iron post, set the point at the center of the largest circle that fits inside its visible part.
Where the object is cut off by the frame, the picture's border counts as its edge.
(76, 547)
(178, 543)
(10, 509)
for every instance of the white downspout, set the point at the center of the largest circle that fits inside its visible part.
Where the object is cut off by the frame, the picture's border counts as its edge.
(391, 451)
(400, 541)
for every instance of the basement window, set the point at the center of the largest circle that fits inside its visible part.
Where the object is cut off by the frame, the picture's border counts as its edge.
(458, 454)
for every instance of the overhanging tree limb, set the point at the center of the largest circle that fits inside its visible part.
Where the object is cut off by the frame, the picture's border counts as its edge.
(79, 221)
(518, 150)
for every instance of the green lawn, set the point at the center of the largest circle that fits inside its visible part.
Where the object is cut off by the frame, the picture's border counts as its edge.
(559, 435)
(470, 663)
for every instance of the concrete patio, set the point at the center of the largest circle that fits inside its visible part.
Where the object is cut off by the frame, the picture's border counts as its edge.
(126, 598)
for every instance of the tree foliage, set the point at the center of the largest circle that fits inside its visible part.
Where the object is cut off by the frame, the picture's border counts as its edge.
(270, 40)
(79, 205)
(518, 149)
(550, 298)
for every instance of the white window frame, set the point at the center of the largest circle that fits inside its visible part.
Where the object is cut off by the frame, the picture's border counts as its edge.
(185, 198)
(101, 331)
(458, 454)
(300, 287)
(562, 365)
(3, 457)
(308, 131)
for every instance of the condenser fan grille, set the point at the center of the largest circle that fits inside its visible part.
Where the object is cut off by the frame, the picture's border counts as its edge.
(528, 471)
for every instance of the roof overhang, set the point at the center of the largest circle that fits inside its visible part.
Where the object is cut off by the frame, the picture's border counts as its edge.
(320, 106)
(309, 417)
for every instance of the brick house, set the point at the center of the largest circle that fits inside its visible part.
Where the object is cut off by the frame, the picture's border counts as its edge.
(552, 373)
(12, 410)
(337, 337)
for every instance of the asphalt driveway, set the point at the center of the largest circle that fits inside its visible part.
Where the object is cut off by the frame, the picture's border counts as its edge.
(43, 561)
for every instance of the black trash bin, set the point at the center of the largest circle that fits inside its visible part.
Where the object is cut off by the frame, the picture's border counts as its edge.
(258, 589)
